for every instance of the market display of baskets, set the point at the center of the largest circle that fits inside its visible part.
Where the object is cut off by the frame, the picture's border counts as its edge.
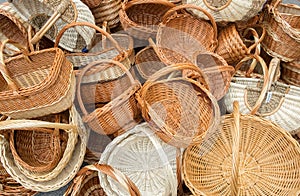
(149, 97)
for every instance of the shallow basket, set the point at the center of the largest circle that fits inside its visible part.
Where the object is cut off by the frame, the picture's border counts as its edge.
(140, 18)
(87, 181)
(245, 157)
(147, 161)
(291, 73)
(179, 110)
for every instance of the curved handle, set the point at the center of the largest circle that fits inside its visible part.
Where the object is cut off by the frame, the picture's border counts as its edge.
(74, 24)
(191, 6)
(115, 174)
(59, 10)
(217, 8)
(108, 63)
(126, 4)
(235, 149)
(266, 80)
(258, 39)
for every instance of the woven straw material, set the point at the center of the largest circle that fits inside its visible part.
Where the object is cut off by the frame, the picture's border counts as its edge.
(291, 73)
(37, 13)
(41, 86)
(180, 35)
(65, 175)
(228, 10)
(147, 161)
(245, 157)
(87, 181)
(283, 34)
(108, 11)
(121, 113)
(140, 18)
(180, 110)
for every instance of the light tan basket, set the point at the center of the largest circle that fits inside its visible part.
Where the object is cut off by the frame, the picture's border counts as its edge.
(247, 156)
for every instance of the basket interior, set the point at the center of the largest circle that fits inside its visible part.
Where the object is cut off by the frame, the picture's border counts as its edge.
(91, 186)
(290, 14)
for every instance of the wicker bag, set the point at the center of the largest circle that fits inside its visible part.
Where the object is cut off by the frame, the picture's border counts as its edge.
(283, 35)
(87, 181)
(121, 113)
(28, 82)
(180, 35)
(247, 156)
(71, 167)
(147, 161)
(228, 10)
(267, 98)
(180, 110)
(232, 43)
(50, 16)
(291, 73)
(140, 18)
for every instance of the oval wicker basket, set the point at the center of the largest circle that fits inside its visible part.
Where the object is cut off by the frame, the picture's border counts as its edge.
(180, 110)
(87, 181)
(291, 73)
(228, 10)
(140, 18)
(283, 35)
(147, 161)
(247, 156)
(180, 35)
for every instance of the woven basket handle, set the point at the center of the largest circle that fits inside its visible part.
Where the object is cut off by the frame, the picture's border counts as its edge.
(217, 8)
(191, 6)
(127, 3)
(103, 32)
(115, 174)
(234, 183)
(258, 39)
(56, 15)
(96, 69)
(266, 79)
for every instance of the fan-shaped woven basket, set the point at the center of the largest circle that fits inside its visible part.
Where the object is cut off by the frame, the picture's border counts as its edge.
(283, 35)
(180, 110)
(87, 181)
(228, 10)
(180, 35)
(291, 73)
(65, 175)
(36, 84)
(48, 17)
(147, 161)
(140, 18)
(247, 156)
(118, 115)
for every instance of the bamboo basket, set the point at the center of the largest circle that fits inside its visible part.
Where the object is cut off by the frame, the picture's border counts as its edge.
(291, 73)
(48, 17)
(121, 113)
(180, 35)
(87, 181)
(245, 157)
(179, 110)
(283, 35)
(140, 18)
(29, 80)
(66, 174)
(228, 10)
(147, 161)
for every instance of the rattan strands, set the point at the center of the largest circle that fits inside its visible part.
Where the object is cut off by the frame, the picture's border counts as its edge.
(291, 73)
(247, 156)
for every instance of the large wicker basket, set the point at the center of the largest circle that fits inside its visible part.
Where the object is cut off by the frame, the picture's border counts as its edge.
(247, 156)
(291, 73)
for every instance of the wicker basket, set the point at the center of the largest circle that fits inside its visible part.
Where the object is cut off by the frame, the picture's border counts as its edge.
(180, 110)
(180, 35)
(283, 35)
(247, 156)
(87, 181)
(147, 161)
(140, 18)
(291, 73)
(66, 174)
(121, 113)
(48, 17)
(232, 44)
(36, 84)
(228, 10)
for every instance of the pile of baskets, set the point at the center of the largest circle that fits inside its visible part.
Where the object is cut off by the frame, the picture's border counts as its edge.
(149, 97)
